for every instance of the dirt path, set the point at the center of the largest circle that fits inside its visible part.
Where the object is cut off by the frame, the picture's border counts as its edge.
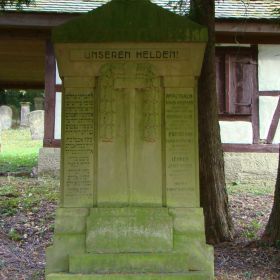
(26, 228)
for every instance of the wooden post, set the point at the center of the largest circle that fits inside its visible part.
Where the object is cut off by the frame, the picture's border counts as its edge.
(50, 74)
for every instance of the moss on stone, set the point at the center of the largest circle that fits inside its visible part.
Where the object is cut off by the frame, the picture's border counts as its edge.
(129, 21)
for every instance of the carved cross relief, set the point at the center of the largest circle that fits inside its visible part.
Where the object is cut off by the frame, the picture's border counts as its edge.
(129, 98)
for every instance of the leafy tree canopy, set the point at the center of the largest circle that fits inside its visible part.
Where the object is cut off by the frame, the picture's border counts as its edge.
(17, 3)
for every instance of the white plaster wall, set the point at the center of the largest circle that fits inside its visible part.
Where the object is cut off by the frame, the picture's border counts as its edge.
(236, 132)
(267, 106)
(269, 67)
(57, 78)
(57, 124)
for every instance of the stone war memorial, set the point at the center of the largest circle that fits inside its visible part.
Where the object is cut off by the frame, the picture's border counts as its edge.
(129, 207)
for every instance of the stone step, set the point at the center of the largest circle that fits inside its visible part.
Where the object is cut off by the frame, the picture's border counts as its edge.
(129, 263)
(123, 276)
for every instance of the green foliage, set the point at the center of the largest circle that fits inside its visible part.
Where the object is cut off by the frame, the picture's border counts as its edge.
(13, 97)
(248, 275)
(252, 231)
(255, 189)
(19, 153)
(14, 235)
(18, 196)
(17, 3)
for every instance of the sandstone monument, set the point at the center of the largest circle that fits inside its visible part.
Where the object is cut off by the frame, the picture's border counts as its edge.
(129, 204)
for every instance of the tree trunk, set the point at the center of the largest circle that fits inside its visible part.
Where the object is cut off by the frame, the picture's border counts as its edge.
(272, 230)
(213, 193)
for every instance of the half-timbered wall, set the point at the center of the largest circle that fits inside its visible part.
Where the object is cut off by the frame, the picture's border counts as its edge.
(236, 75)
(269, 92)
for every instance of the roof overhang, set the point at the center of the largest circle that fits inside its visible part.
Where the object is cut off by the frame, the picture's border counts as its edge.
(247, 32)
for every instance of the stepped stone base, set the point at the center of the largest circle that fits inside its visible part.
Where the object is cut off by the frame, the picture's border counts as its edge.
(129, 243)
(122, 276)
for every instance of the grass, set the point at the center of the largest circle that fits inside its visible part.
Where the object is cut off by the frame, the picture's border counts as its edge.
(254, 189)
(19, 153)
(19, 195)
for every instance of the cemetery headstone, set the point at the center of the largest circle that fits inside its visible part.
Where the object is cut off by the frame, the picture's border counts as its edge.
(36, 124)
(130, 204)
(0, 135)
(39, 103)
(6, 116)
(24, 111)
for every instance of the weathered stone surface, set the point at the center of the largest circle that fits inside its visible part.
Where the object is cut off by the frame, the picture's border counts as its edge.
(251, 168)
(36, 124)
(6, 117)
(0, 135)
(71, 220)
(129, 263)
(49, 162)
(122, 276)
(106, 25)
(24, 111)
(115, 230)
(57, 256)
(39, 103)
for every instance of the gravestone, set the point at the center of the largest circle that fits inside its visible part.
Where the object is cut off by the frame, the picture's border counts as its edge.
(129, 204)
(39, 103)
(24, 111)
(36, 124)
(6, 117)
(0, 135)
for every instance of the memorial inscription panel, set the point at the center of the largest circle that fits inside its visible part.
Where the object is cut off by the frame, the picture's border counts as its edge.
(78, 125)
(180, 148)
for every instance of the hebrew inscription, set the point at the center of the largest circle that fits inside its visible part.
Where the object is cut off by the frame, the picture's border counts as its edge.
(78, 147)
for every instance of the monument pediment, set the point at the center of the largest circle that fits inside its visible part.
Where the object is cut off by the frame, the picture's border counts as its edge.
(130, 21)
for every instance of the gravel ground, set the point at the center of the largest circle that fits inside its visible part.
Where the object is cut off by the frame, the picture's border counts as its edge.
(26, 229)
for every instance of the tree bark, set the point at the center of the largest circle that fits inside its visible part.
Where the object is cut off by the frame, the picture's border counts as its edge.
(272, 230)
(213, 195)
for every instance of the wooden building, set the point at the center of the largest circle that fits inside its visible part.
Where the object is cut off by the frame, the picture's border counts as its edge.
(247, 67)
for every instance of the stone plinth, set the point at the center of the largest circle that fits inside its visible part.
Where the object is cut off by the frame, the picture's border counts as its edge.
(130, 195)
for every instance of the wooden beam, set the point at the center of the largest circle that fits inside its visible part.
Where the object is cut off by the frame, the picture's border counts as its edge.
(255, 98)
(58, 88)
(24, 34)
(55, 143)
(241, 27)
(37, 20)
(269, 93)
(234, 117)
(49, 94)
(227, 83)
(237, 38)
(274, 124)
(22, 85)
(251, 148)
